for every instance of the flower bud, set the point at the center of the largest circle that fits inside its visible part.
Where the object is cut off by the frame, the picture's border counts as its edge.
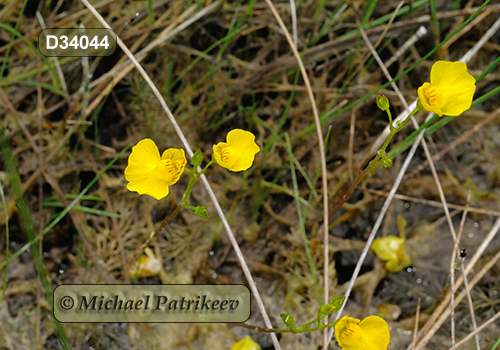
(387, 162)
(288, 320)
(383, 102)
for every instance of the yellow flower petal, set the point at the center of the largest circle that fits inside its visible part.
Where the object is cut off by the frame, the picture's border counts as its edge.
(393, 251)
(450, 91)
(149, 185)
(238, 153)
(375, 331)
(341, 326)
(147, 266)
(370, 334)
(149, 174)
(246, 344)
(144, 158)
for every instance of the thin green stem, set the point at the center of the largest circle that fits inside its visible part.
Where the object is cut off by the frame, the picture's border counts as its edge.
(348, 189)
(194, 175)
(203, 171)
(393, 131)
(189, 189)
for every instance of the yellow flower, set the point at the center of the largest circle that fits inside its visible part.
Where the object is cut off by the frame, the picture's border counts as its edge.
(246, 344)
(393, 251)
(149, 174)
(450, 91)
(370, 334)
(238, 153)
(147, 266)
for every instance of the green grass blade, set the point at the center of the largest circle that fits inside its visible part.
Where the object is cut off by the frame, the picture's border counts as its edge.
(369, 10)
(496, 344)
(31, 46)
(85, 210)
(328, 24)
(151, 14)
(7, 242)
(435, 22)
(7, 53)
(33, 72)
(45, 86)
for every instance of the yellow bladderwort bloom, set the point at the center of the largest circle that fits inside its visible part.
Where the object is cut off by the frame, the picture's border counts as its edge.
(147, 266)
(370, 334)
(450, 91)
(150, 174)
(246, 344)
(392, 250)
(238, 153)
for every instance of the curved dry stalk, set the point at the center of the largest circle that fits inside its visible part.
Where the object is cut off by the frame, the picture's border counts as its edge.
(293, 12)
(322, 156)
(189, 151)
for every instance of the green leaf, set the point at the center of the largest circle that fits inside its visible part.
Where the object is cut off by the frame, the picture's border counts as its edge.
(197, 158)
(201, 211)
(288, 320)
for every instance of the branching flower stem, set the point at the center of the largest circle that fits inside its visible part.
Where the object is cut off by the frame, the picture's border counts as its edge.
(301, 329)
(381, 156)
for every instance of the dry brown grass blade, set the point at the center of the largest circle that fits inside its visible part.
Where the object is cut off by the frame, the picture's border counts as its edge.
(434, 203)
(415, 329)
(452, 270)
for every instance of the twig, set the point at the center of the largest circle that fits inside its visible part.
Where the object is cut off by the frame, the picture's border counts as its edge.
(121, 70)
